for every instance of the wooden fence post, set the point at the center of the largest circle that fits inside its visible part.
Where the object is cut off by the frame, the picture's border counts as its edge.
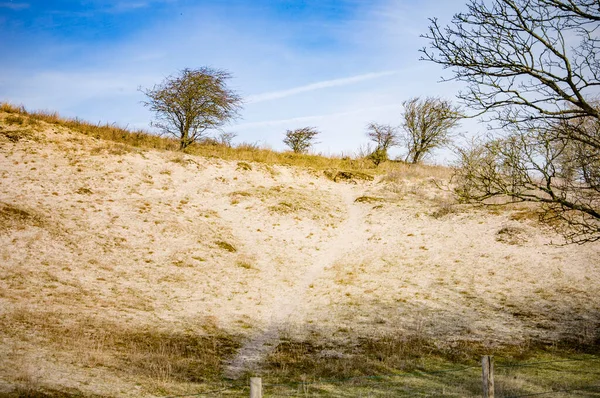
(487, 366)
(255, 387)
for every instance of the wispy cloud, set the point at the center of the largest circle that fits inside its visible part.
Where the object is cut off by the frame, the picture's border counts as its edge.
(14, 6)
(314, 118)
(317, 86)
(125, 6)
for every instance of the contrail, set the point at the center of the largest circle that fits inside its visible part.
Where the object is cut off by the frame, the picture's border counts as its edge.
(311, 118)
(317, 86)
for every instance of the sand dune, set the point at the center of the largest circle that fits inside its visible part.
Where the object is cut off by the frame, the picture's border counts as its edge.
(97, 233)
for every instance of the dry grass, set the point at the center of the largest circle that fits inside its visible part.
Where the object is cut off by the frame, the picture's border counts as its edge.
(14, 217)
(405, 171)
(285, 200)
(138, 138)
(511, 235)
(16, 135)
(226, 246)
(160, 358)
(245, 152)
(368, 199)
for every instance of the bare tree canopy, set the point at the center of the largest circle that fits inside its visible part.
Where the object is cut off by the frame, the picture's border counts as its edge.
(193, 101)
(535, 166)
(523, 59)
(300, 140)
(385, 137)
(533, 68)
(427, 124)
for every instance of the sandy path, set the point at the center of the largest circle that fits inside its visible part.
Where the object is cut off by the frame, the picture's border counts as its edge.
(350, 235)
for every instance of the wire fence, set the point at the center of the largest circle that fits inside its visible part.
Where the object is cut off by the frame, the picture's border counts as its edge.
(573, 377)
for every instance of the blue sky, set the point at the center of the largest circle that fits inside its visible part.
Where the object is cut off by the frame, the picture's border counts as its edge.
(334, 65)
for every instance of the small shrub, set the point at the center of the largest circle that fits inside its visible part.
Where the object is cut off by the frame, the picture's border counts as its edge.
(20, 120)
(248, 146)
(378, 156)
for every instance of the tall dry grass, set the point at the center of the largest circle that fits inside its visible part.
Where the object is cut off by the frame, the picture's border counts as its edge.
(153, 354)
(210, 148)
(110, 132)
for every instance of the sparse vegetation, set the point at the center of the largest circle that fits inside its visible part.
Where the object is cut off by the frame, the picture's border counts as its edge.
(285, 207)
(511, 235)
(246, 152)
(422, 366)
(350, 176)
(16, 217)
(444, 208)
(368, 199)
(137, 138)
(158, 357)
(84, 191)
(209, 255)
(244, 166)
(226, 246)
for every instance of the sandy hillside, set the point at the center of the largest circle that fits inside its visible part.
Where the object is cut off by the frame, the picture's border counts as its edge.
(94, 233)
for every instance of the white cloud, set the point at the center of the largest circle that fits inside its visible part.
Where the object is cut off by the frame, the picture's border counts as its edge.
(317, 86)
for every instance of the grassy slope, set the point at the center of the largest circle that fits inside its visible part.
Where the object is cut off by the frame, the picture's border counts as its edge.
(128, 271)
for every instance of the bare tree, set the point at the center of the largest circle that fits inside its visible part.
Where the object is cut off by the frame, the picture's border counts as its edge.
(536, 166)
(532, 67)
(300, 140)
(188, 104)
(385, 137)
(427, 124)
(520, 58)
(226, 138)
